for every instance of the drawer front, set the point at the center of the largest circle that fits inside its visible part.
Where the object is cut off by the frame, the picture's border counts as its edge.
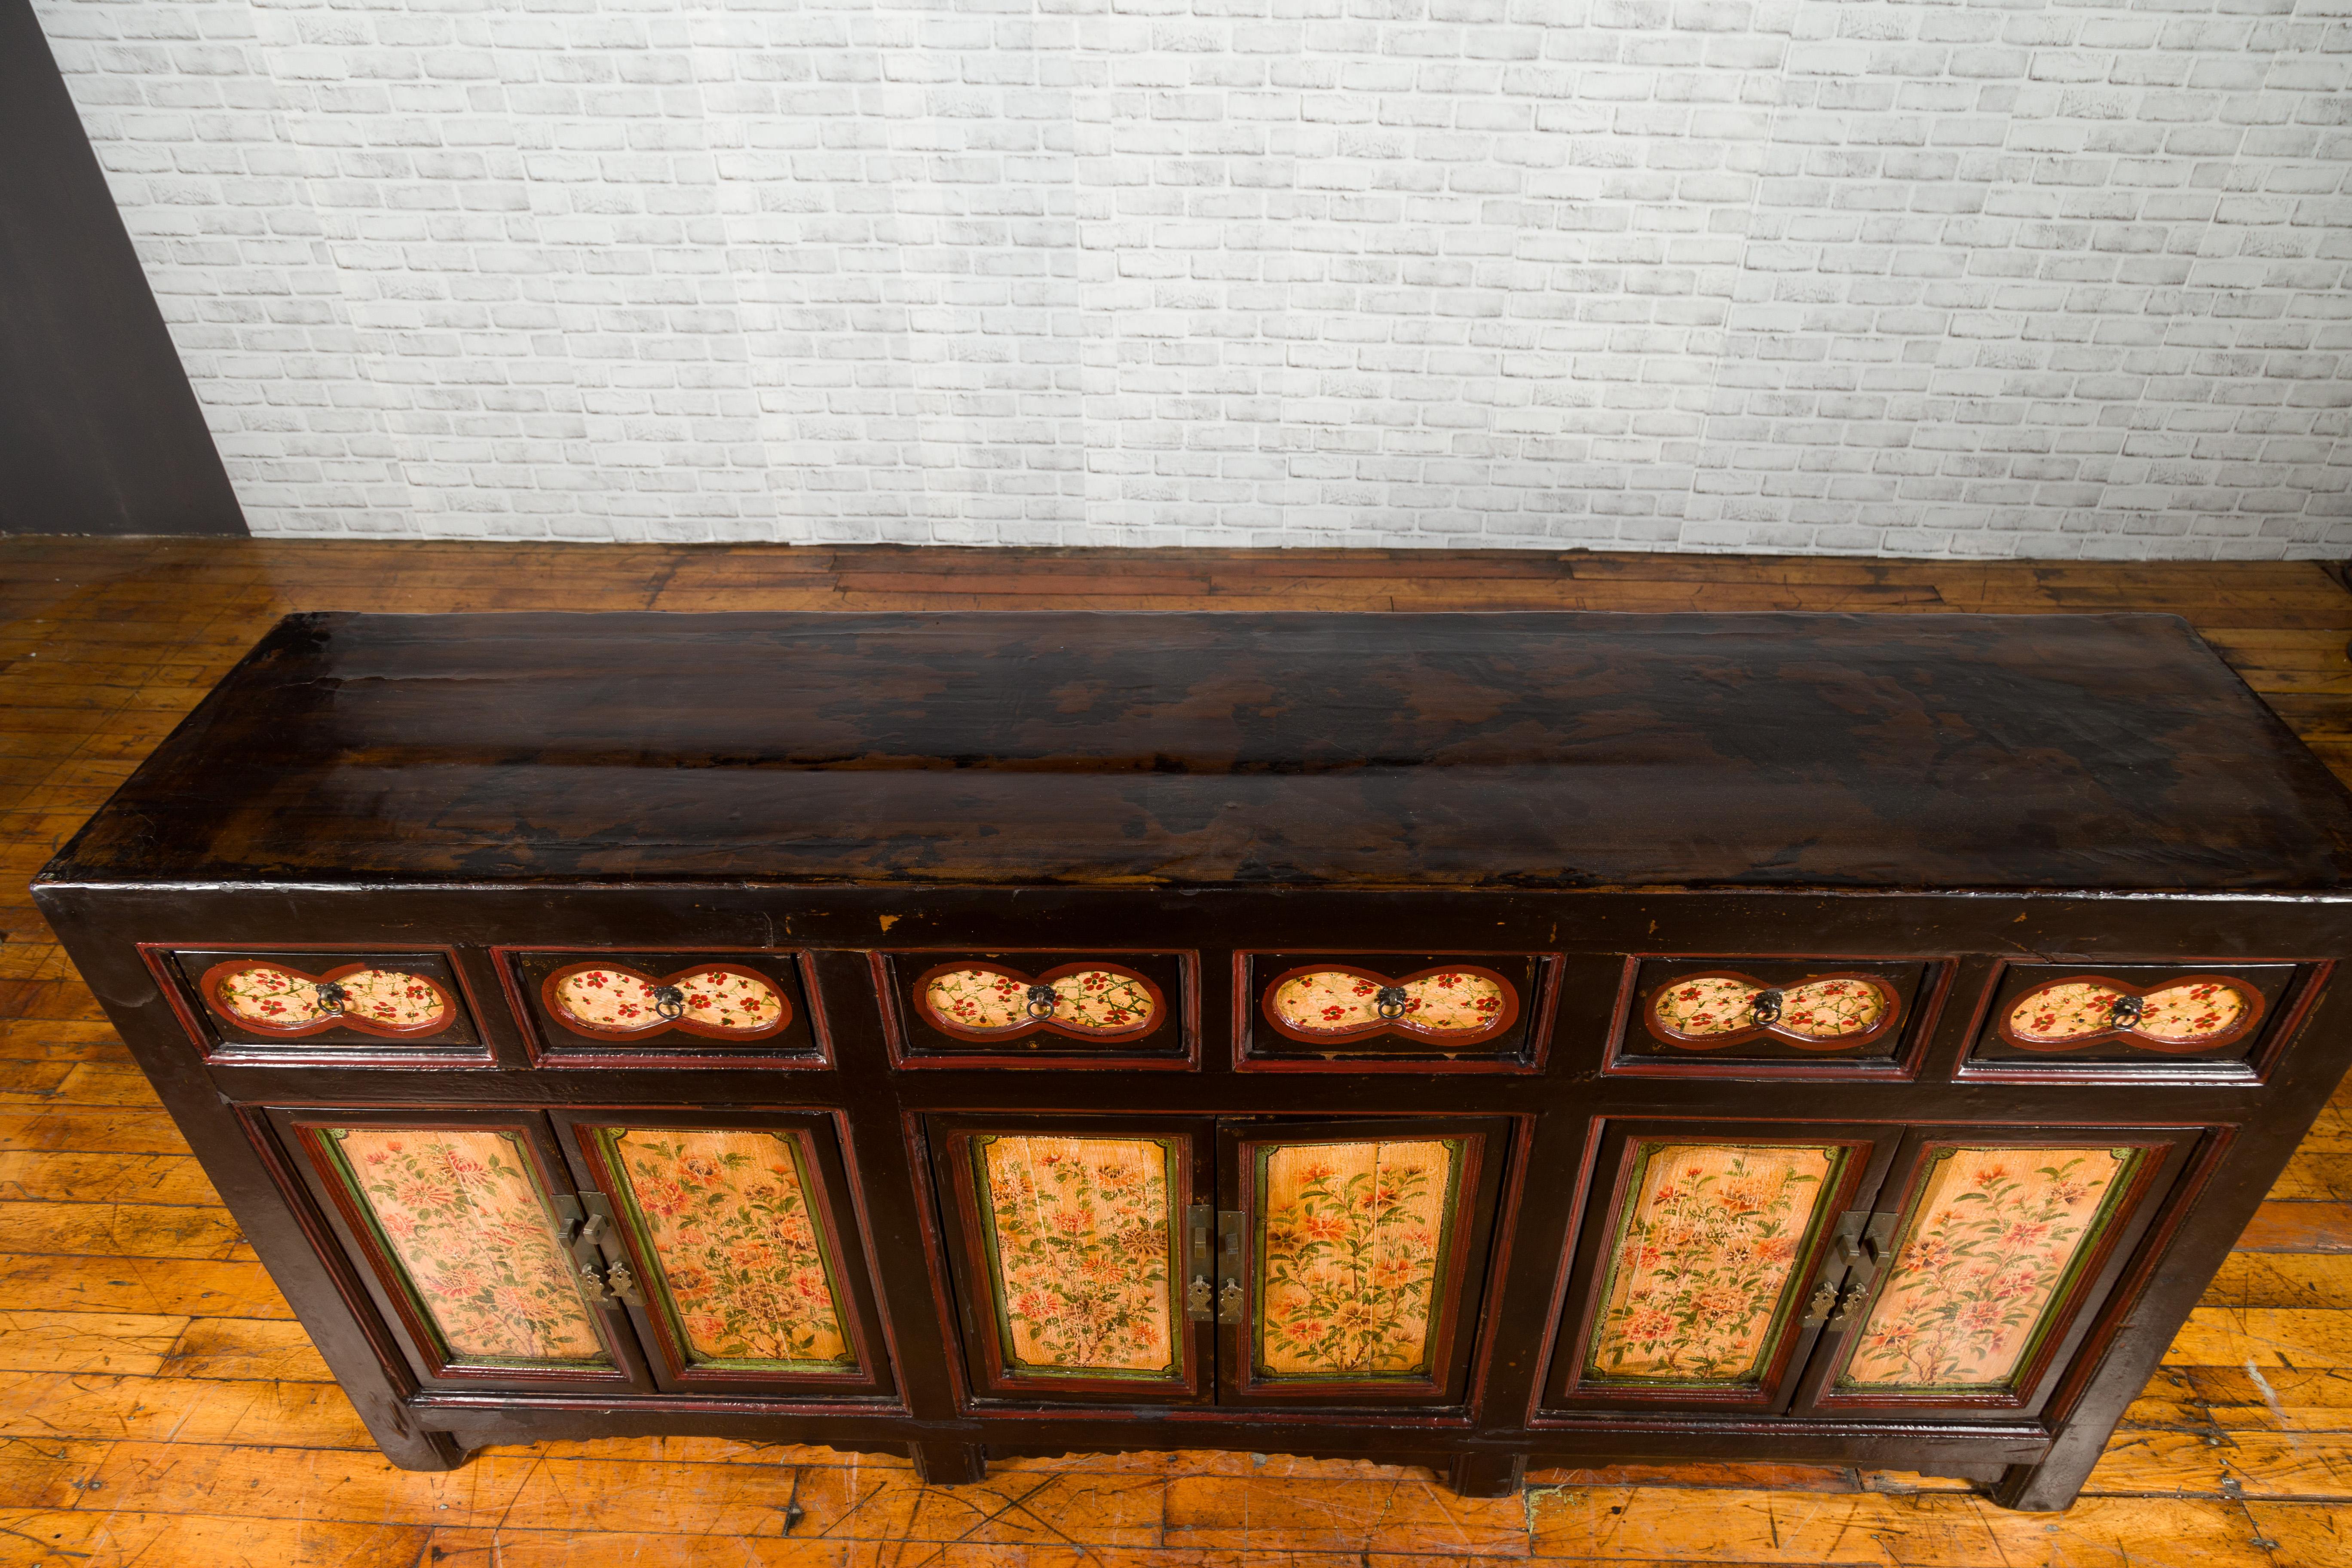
(663, 1007)
(313, 1004)
(1308, 1009)
(2193, 1019)
(1026, 1007)
(1775, 1017)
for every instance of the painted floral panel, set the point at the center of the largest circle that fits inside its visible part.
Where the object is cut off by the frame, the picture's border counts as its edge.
(1095, 999)
(740, 1249)
(463, 1215)
(282, 999)
(2075, 1008)
(1705, 1260)
(1081, 1232)
(1352, 1241)
(622, 999)
(1334, 1001)
(272, 996)
(1819, 1009)
(1984, 1251)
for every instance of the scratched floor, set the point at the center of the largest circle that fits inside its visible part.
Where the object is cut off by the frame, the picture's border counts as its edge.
(158, 1406)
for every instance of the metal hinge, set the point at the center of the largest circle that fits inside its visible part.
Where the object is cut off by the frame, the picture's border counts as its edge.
(1856, 1252)
(1229, 1266)
(1200, 1295)
(585, 1228)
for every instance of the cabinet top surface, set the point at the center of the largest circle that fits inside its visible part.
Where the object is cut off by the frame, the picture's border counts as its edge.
(1572, 750)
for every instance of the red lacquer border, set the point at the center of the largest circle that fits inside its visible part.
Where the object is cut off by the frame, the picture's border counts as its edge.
(906, 1057)
(1925, 1011)
(195, 1019)
(1428, 1055)
(545, 1052)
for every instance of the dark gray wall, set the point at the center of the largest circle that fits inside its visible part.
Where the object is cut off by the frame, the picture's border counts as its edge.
(98, 430)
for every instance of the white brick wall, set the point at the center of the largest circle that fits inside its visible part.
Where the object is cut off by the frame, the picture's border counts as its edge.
(2027, 278)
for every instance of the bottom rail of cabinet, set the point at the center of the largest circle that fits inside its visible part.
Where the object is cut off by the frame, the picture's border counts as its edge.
(437, 1432)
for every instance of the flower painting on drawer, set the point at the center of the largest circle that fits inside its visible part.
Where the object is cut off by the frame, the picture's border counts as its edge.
(718, 1001)
(2190, 1014)
(1324, 1012)
(1830, 1017)
(294, 1003)
(2180, 1019)
(1353, 1249)
(1079, 1234)
(1836, 1010)
(1987, 1246)
(462, 1216)
(1099, 1001)
(738, 1247)
(1704, 1267)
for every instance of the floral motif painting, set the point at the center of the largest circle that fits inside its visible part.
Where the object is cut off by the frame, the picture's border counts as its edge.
(737, 1243)
(623, 1000)
(282, 999)
(1096, 1001)
(1079, 1233)
(1724, 1004)
(463, 1216)
(2073, 1008)
(1338, 1001)
(1983, 1254)
(1352, 1245)
(1703, 1265)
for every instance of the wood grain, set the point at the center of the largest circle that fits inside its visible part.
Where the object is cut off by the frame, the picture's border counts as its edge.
(140, 1353)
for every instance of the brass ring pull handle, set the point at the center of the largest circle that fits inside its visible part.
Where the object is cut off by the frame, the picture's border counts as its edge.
(2127, 1011)
(1042, 999)
(332, 995)
(669, 1003)
(1390, 1002)
(1766, 1006)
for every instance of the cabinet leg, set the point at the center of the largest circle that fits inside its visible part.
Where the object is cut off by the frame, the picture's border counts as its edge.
(2049, 1486)
(1486, 1475)
(414, 1450)
(941, 1463)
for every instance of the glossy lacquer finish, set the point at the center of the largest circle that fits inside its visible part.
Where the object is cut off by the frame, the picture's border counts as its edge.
(1447, 1039)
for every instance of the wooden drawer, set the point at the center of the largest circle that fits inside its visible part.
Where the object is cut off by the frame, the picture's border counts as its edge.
(665, 1007)
(1039, 1007)
(340, 1007)
(2187, 1020)
(1775, 1017)
(1428, 1012)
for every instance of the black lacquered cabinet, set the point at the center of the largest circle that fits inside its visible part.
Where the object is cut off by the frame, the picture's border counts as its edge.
(1456, 1039)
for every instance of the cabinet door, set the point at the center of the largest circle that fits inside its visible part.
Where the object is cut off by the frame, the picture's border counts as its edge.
(1697, 1281)
(749, 1275)
(1362, 1247)
(455, 1222)
(1068, 1239)
(2002, 1244)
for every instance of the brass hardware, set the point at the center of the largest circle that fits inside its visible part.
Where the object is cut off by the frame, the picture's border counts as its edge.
(2126, 1011)
(1766, 1006)
(1390, 1002)
(669, 1003)
(592, 1284)
(1229, 1266)
(584, 1227)
(567, 1219)
(1200, 1295)
(1849, 1302)
(1817, 1309)
(332, 994)
(623, 1284)
(1043, 1000)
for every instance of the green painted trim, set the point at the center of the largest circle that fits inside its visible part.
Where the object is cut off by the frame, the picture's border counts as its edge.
(331, 1146)
(658, 1289)
(1450, 1211)
(984, 1201)
(1840, 1155)
(2094, 1233)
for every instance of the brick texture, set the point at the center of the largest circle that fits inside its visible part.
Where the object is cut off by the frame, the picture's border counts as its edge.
(2031, 278)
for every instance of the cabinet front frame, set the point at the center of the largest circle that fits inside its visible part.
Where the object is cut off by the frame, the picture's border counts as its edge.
(1468, 1253)
(385, 1284)
(964, 1262)
(894, 986)
(1602, 1212)
(832, 1192)
(1535, 1011)
(544, 1051)
(2079, 1312)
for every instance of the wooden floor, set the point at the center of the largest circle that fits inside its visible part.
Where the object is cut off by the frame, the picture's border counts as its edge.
(159, 1406)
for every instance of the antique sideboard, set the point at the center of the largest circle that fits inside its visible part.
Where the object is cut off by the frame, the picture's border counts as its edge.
(1456, 1039)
